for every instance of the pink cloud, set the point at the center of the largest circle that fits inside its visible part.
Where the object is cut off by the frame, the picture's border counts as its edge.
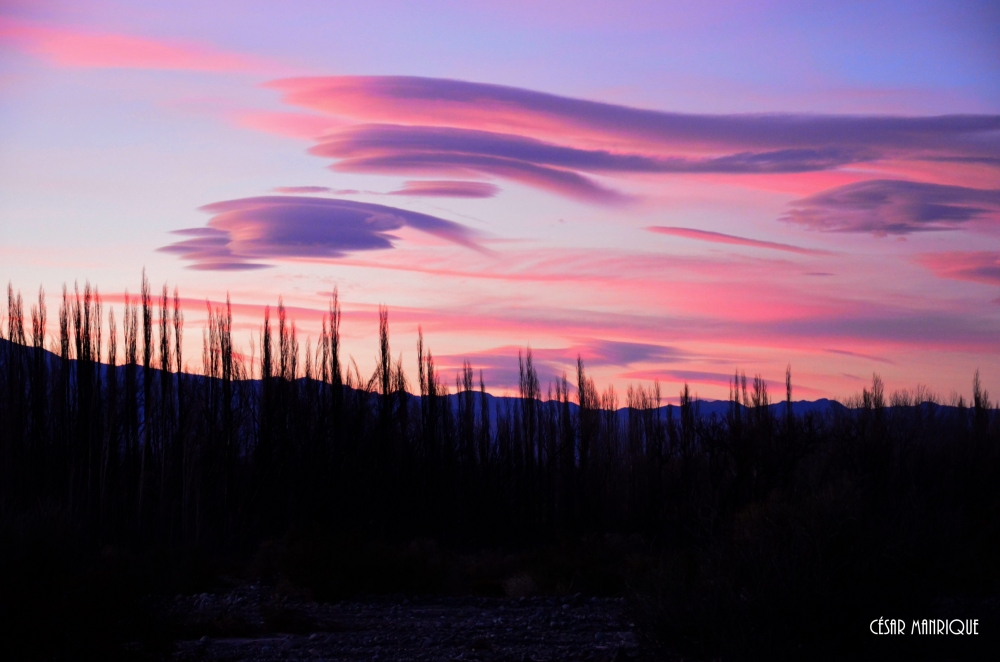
(455, 103)
(71, 47)
(632, 346)
(720, 238)
(448, 189)
(858, 355)
(302, 126)
(500, 364)
(596, 267)
(685, 376)
(425, 126)
(646, 298)
(885, 326)
(974, 266)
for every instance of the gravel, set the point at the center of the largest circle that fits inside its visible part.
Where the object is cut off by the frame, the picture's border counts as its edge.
(258, 623)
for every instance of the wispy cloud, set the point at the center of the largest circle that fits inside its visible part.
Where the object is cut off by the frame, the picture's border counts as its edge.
(692, 376)
(447, 189)
(301, 126)
(243, 232)
(299, 190)
(858, 355)
(434, 188)
(500, 364)
(74, 47)
(302, 189)
(620, 353)
(883, 207)
(720, 238)
(974, 266)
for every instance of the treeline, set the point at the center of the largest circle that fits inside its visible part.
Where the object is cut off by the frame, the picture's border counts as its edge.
(135, 449)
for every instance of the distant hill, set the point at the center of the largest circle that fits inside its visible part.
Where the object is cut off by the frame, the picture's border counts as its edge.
(498, 404)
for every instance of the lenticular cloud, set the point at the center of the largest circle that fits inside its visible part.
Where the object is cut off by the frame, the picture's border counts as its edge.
(401, 149)
(441, 102)
(424, 126)
(244, 233)
(884, 207)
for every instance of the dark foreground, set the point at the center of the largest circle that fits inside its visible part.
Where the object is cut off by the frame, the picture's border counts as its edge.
(753, 531)
(255, 623)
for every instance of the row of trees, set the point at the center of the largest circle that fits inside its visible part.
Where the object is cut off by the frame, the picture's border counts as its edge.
(135, 449)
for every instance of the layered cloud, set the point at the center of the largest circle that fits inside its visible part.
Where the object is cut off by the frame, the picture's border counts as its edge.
(440, 102)
(720, 238)
(884, 207)
(403, 149)
(974, 266)
(460, 147)
(243, 233)
(396, 149)
(425, 126)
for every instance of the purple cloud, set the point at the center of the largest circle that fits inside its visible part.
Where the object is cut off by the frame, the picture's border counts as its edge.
(686, 376)
(401, 149)
(620, 353)
(242, 232)
(884, 207)
(394, 149)
(414, 100)
(209, 249)
(446, 127)
(500, 367)
(375, 140)
(920, 328)
(381, 139)
(447, 189)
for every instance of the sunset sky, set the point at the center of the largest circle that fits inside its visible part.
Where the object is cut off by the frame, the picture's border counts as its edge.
(672, 191)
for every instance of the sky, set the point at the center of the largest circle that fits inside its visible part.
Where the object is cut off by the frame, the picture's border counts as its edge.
(671, 191)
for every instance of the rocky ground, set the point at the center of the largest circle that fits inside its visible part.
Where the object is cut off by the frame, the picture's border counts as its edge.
(258, 623)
